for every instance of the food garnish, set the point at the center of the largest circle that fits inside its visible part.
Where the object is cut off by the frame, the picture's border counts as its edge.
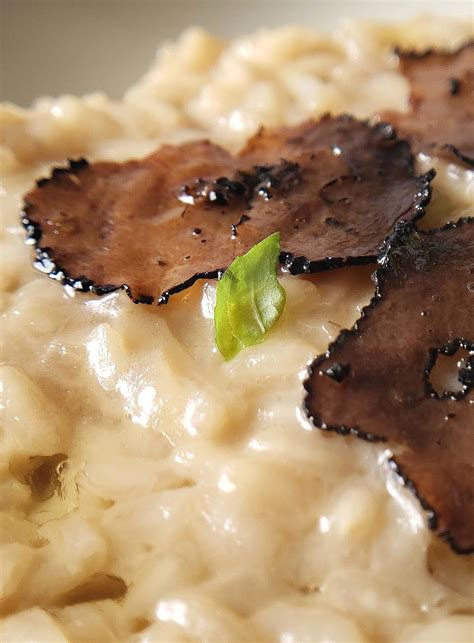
(441, 119)
(333, 188)
(249, 298)
(373, 382)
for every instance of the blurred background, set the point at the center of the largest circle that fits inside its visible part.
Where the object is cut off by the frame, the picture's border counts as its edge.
(77, 46)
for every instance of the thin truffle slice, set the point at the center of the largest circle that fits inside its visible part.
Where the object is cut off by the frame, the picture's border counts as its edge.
(334, 189)
(441, 119)
(373, 382)
(357, 182)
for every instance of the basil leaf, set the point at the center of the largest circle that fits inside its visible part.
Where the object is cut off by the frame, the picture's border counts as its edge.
(249, 298)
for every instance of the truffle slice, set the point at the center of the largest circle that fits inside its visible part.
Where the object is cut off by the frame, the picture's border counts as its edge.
(441, 120)
(333, 188)
(373, 382)
(356, 183)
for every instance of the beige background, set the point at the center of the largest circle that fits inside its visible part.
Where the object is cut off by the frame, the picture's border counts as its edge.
(77, 46)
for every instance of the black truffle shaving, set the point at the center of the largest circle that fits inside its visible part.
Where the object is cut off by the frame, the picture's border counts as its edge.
(107, 226)
(422, 307)
(441, 119)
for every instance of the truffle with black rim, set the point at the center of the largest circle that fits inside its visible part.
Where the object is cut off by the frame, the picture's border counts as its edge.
(423, 304)
(333, 188)
(441, 116)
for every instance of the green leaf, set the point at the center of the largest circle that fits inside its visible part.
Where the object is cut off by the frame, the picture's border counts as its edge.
(249, 298)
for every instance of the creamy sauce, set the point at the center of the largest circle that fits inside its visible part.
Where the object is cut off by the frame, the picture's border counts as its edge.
(191, 500)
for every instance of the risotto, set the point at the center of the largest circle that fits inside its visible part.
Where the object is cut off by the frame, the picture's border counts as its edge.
(151, 491)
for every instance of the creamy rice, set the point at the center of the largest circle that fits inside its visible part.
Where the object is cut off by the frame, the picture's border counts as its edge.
(197, 482)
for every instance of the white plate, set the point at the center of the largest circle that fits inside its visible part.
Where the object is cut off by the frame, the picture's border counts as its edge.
(78, 46)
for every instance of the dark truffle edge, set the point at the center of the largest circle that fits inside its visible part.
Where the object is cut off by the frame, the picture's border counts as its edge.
(452, 149)
(402, 230)
(295, 264)
(449, 350)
